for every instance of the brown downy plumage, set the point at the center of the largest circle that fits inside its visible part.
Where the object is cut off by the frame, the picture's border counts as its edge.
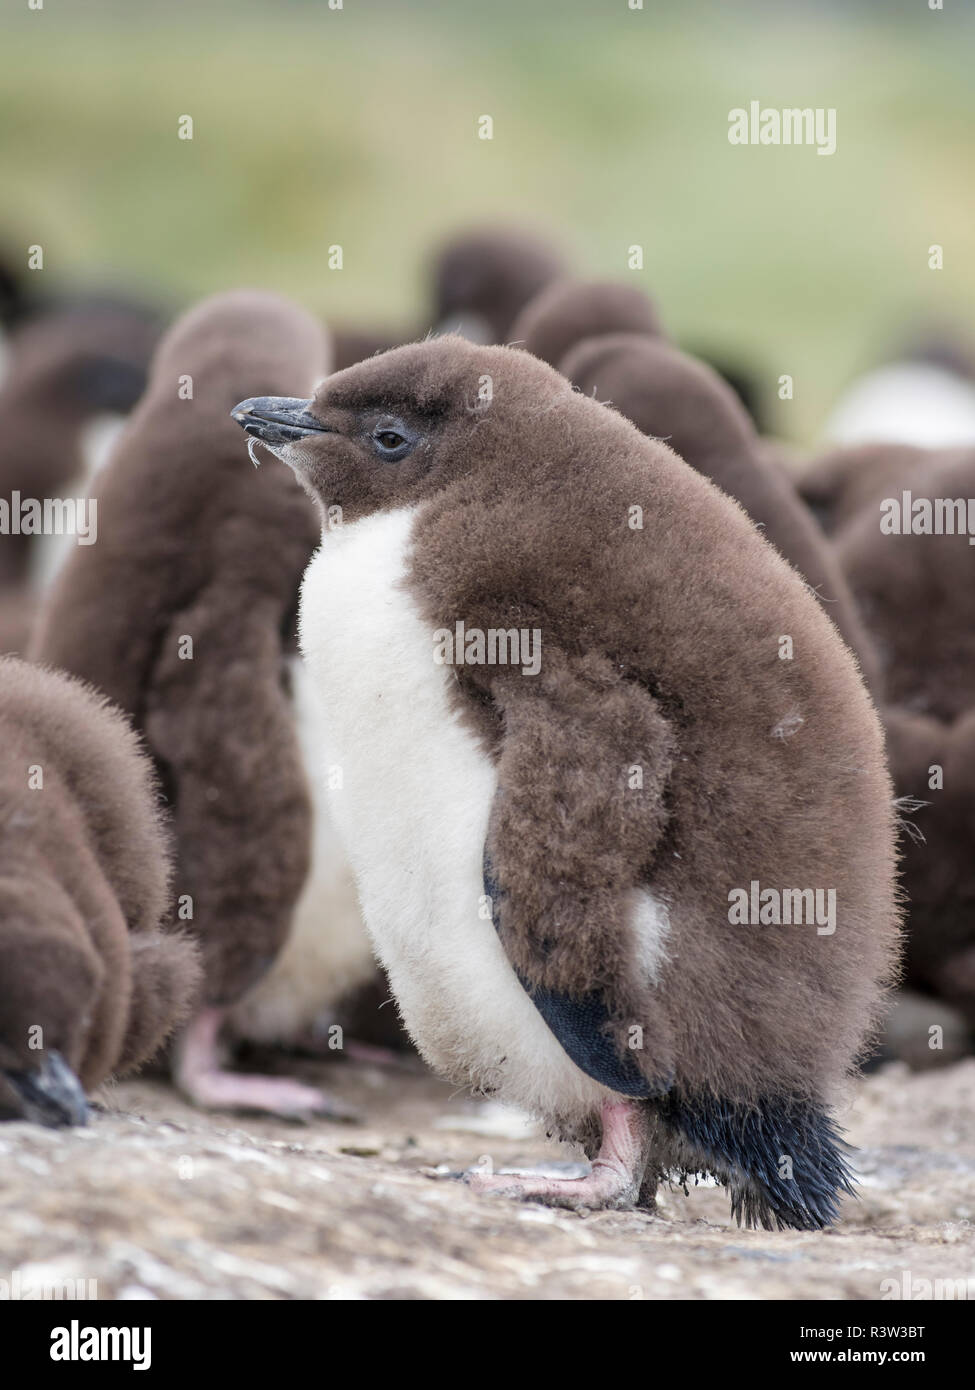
(90, 985)
(670, 396)
(933, 766)
(839, 484)
(184, 614)
(66, 366)
(916, 591)
(550, 856)
(569, 311)
(479, 280)
(917, 594)
(484, 277)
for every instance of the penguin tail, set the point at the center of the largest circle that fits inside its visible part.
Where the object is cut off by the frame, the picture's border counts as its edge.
(783, 1161)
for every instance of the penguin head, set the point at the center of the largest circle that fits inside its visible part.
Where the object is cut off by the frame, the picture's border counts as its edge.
(391, 431)
(80, 361)
(482, 278)
(236, 341)
(665, 393)
(568, 311)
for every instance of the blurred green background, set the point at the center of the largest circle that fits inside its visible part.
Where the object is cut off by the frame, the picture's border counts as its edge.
(358, 126)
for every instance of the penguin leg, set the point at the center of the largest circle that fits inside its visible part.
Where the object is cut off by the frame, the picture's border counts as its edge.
(198, 1073)
(224, 731)
(617, 1170)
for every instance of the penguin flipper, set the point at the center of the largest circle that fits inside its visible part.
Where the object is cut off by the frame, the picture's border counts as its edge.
(579, 814)
(582, 1023)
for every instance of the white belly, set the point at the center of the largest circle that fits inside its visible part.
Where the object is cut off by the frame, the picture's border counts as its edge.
(907, 403)
(49, 554)
(327, 953)
(413, 811)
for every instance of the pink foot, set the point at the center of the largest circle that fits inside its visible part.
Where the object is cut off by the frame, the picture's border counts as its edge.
(617, 1170)
(198, 1074)
(377, 1056)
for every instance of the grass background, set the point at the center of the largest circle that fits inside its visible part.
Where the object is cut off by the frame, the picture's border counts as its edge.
(357, 126)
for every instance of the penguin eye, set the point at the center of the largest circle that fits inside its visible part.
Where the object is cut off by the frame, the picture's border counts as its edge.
(392, 440)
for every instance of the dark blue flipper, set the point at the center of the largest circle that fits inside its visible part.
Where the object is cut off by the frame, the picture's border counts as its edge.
(781, 1158)
(581, 1023)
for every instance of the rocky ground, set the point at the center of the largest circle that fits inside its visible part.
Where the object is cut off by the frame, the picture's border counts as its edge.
(157, 1200)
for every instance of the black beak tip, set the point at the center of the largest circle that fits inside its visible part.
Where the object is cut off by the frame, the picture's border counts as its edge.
(243, 412)
(277, 420)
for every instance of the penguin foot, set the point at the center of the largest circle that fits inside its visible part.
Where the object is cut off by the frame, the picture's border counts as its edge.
(198, 1074)
(615, 1180)
(270, 1095)
(371, 1054)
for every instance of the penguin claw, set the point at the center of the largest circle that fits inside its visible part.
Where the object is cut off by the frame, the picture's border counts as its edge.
(606, 1187)
(613, 1184)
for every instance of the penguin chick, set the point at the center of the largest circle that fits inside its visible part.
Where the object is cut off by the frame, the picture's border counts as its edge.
(183, 613)
(569, 311)
(933, 767)
(670, 396)
(90, 985)
(65, 367)
(482, 278)
(840, 483)
(914, 586)
(915, 591)
(552, 809)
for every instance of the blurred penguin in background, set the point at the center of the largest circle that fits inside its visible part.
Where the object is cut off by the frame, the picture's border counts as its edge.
(91, 983)
(484, 277)
(925, 396)
(69, 371)
(184, 613)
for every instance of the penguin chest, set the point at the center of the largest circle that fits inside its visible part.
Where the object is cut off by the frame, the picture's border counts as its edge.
(411, 793)
(327, 954)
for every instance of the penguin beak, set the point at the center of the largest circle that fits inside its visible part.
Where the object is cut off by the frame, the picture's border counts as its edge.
(50, 1094)
(277, 420)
